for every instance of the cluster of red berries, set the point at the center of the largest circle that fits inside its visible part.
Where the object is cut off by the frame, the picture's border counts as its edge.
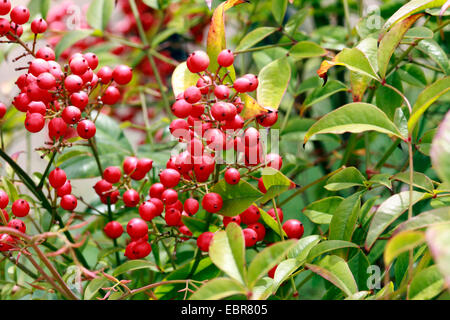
(58, 94)
(20, 208)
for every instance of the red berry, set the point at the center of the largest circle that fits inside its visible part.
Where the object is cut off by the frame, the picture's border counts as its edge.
(129, 165)
(148, 210)
(6, 242)
(198, 61)
(68, 202)
(57, 178)
(179, 128)
(20, 208)
(192, 94)
(293, 228)
(235, 219)
(73, 83)
(79, 99)
(111, 197)
(38, 25)
(5, 7)
(156, 190)
(46, 53)
(34, 122)
(4, 27)
(113, 229)
(204, 241)
(169, 178)
(268, 118)
(251, 137)
(38, 66)
(102, 186)
(253, 81)
(21, 102)
(17, 224)
(232, 176)
(131, 198)
(16, 30)
(78, 65)
(65, 189)
(260, 230)
(223, 111)
(112, 174)
(91, 59)
(274, 160)
(250, 215)
(5, 215)
(204, 84)
(185, 230)
(111, 96)
(172, 217)
(271, 272)
(191, 206)
(46, 81)
(241, 85)
(71, 115)
(159, 205)
(222, 92)
(20, 14)
(57, 128)
(2, 110)
(4, 199)
(225, 58)
(181, 108)
(122, 74)
(169, 196)
(137, 228)
(143, 166)
(271, 212)
(250, 237)
(212, 202)
(142, 249)
(86, 129)
(261, 185)
(105, 74)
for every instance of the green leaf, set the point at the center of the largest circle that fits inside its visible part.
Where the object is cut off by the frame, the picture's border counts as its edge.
(254, 37)
(132, 265)
(279, 10)
(389, 211)
(306, 49)
(273, 81)
(262, 289)
(412, 74)
(419, 180)
(303, 246)
(429, 95)
(283, 271)
(275, 183)
(336, 270)
(69, 39)
(217, 289)
(391, 40)
(383, 179)
(347, 178)
(196, 226)
(93, 287)
(434, 50)
(321, 211)
(425, 219)
(271, 222)
(387, 99)
(359, 84)
(426, 285)
(410, 8)
(424, 143)
(400, 243)
(227, 252)
(419, 33)
(353, 59)
(236, 198)
(344, 219)
(266, 260)
(99, 13)
(11, 189)
(39, 7)
(440, 149)
(438, 238)
(182, 79)
(152, 4)
(354, 117)
(323, 92)
(329, 245)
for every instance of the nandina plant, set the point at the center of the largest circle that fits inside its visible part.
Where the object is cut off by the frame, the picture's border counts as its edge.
(247, 169)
